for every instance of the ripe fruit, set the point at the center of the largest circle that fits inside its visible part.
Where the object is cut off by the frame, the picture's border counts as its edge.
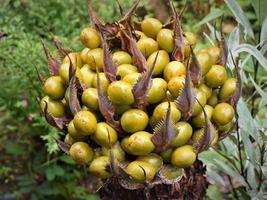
(81, 152)
(199, 120)
(105, 135)
(121, 57)
(99, 167)
(204, 61)
(118, 153)
(199, 133)
(54, 87)
(173, 69)
(147, 46)
(157, 91)
(228, 88)
(136, 170)
(214, 53)
(103, 81)
(162, 60)
(165, 39)
(201, 97)
(140, 143)
(55, 107)
(85, 122)
(132, 78)
(183, 156)
(134, 120)
(184, 133)
(125, 69)
(120, 92)
(151, 27)
(223, 113)
(216, 76)
(90, 38)
(87, 76)
(72, 131)
(152, 159)
(175, 85)
(90, 98)
(95, 59)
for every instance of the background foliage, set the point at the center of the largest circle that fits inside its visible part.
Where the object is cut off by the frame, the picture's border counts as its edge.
(32, 168)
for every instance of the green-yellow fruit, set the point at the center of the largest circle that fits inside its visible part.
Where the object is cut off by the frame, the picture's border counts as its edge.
(105, 134)
(95, 59)
(83, 54)
(204, 88)
(228, 88)
(140, 143)
(87, 76)
(125, 69)
(54, 87)
(223, 113)
(90, 98)
(103, 81)
(201, 97)
(184, 133)
(147, 46)
(121, 57)
(198, 134)
(90, 38)
(69, 140)
(199, 120)
(54, 107)
(157, 91)
(216, 76)
(134, 120)
(175, 85)
(135, 170)
(151, 27)
(120, 92)
(74, 133)
(132, 78)
(81, 152)
(204, 61)
(162, 60)
(120, 109)
(165, 40)
(174, 69)
(166, 155)
(99, 167)
(153, 159)
(214, 53)
(183, 156)
(213, 100)
(117, 151)
(85, 122)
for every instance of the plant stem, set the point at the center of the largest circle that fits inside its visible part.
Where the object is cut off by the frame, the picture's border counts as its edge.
(262, 151)
(233, 188)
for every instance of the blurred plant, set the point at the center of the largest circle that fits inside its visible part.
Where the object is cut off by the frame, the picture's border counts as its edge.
(238, 165)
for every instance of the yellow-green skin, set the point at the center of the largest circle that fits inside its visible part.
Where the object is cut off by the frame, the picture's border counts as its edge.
(223, 113)
(120, 92)
(105, 134)
(126, 69)
(69, 140)
(76, 135)
(151, 27)
(120, 109)
(166, 155)
(190, 39)
(160, 112)
(141, 34)
(132, 78)
(183, 156)
(162, 60)
(165, 40)
(198, 134)
(201, 96)
(135, 170)
(121, 57)
(228, 88)
(118, 153)
(90, 98)
(134, 120)
(125, 144)
(54, 107)
(153, 159)
(95, 59)
(175, 85)
(140, 143)
(184, 133)
(147, 46)
(199, 120)
(54, 87)
(87, 76)
(83, 54)
(81, 152)
(85, 122)
(174, 69)
(213, 100)
(90, 38)
(224, 128)
(157, 91)
(103, 81)
(216, 76)
(99, 167)
(214, 53)
(75, 58)
(204, 88)
(204, 61)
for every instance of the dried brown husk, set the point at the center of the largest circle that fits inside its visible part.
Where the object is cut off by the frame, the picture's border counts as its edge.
(41, 77)
(170, 174)
(52, 63)
(223, 47)
(164, 132)
(142, 86)
(74, 103)
(195, 69)
(61, 51)
(63, 146)
(186, 100)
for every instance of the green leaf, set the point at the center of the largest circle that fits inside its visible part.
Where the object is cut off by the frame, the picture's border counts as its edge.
(214, 13)
(252, 51)
(260, 9)
(263, 37)
(53, 171)
(248, 146)
(14, 148)
(263, 94)
(212, 173)
(240, 16)
(67, 159)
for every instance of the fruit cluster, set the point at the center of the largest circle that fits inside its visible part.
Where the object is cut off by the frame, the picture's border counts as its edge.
(137, 101)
